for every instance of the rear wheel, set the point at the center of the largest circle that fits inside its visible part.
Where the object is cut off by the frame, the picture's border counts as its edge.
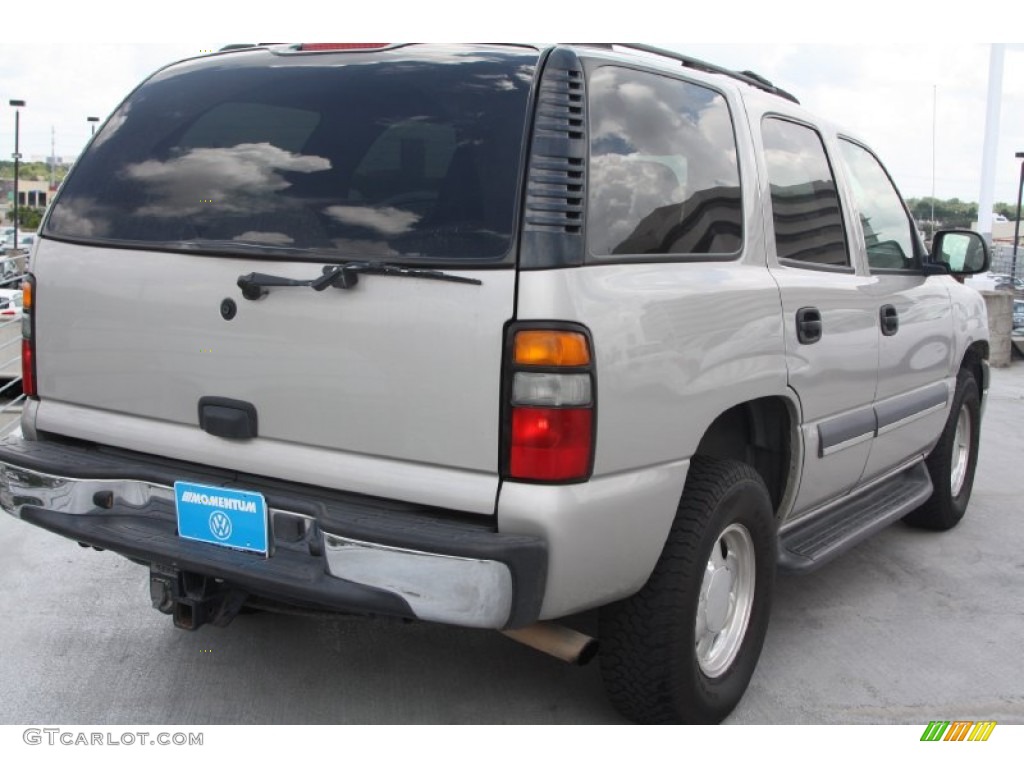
(952, 462)
(683, 649)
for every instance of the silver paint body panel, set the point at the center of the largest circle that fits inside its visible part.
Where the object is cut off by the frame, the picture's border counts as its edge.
(390, 388)
(394, 388)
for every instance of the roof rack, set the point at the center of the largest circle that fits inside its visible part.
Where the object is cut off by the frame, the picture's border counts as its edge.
(748, 77)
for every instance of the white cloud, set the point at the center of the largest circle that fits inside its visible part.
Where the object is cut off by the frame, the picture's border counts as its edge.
(236, 179)
(388, 221)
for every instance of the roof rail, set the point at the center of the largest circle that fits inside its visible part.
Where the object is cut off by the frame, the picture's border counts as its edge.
(748, 77)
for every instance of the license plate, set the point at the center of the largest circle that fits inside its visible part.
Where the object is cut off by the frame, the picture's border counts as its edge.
(222, 516)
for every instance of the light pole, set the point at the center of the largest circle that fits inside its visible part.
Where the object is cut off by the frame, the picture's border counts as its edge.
(1016, 226)
(16, 103)
(93, 120)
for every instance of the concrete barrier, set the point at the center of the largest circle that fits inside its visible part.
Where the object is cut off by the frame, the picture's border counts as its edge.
(1000, 325)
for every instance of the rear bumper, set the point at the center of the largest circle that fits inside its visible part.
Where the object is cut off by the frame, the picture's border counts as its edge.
(327, 549)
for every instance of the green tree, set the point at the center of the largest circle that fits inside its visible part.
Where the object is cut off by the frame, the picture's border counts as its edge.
(949, 214)
(28, 218)
(1007, 210)
(33, 171)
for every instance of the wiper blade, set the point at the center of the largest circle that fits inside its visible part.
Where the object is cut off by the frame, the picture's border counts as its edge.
(347, 275)
(228, 246)
(255, 285)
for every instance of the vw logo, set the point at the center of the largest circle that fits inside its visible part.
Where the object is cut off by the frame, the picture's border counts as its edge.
(220, 525)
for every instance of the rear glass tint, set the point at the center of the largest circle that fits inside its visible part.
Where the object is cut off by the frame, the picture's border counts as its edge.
(664, 179)
(805, 202)
(412, 154)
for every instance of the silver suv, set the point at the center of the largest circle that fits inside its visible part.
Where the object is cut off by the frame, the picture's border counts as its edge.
(490, 336)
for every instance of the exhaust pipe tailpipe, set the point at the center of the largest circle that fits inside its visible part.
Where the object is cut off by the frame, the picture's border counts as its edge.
(555, 640)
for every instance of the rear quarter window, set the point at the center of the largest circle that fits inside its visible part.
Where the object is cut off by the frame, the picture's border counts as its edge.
(663, 176)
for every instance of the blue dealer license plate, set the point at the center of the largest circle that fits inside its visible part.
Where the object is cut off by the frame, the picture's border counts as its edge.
(223, 516)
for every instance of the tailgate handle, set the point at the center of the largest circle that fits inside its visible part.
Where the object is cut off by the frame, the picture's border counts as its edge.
(224, 417)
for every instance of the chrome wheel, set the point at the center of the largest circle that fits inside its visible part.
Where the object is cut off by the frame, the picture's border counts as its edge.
(725, 601)
(961, 457)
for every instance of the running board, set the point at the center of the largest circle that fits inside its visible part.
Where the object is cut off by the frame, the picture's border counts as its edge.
(811, 544)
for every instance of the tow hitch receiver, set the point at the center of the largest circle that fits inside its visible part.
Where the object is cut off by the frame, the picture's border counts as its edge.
(193, 599)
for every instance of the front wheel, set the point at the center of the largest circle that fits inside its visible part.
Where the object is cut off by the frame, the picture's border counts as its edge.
(683, 649)
(952, 462)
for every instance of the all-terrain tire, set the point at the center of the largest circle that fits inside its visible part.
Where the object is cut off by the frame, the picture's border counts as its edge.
(683, 649)
(952, 462)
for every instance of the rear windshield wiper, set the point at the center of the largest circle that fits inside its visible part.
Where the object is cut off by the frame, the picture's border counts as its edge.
(255, 284)
(232, 246)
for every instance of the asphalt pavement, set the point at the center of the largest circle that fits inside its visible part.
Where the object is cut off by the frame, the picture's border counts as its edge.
(909, 627)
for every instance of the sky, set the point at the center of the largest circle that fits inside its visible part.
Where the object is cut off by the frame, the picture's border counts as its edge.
(912, 81)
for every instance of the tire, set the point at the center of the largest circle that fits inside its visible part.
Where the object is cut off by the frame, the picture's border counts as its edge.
(717, 571)
(952, 462)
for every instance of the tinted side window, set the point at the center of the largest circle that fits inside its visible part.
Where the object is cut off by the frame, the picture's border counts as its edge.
(805, 203)
(888, 230)
(663, 172)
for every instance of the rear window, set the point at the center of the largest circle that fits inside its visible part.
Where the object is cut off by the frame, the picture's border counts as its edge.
(412, 154)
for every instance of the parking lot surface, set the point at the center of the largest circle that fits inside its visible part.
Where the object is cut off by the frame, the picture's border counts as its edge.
(909, 627)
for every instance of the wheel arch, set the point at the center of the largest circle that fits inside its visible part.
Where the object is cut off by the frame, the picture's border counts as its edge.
(763, 433)
(975, 360)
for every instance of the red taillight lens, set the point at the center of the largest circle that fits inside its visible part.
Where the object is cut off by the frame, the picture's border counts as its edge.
(28, 338)
(551, 443)
(550, 411)
(28, 374)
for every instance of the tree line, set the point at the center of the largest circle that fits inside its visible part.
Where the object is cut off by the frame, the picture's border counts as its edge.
(952, 213)
(34, 171)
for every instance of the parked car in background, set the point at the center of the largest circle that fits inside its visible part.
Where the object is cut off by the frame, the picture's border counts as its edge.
(1005, 283)
(25, 240)
(10, 305)
(1018, 315)
(993, 281)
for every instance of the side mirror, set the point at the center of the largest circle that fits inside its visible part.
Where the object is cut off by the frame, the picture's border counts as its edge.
(961, 251)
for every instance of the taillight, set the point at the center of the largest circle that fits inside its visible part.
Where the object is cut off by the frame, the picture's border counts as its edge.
(28, 338)
(550, 424)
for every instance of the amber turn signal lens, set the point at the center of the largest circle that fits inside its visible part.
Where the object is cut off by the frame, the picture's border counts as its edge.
(557, 348)
(26, 296)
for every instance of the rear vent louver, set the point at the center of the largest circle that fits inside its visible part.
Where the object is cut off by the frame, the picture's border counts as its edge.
(556, 185)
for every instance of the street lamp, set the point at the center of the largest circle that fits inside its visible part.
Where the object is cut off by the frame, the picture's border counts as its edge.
(1016, 226)
(93, 120)
(16, 103)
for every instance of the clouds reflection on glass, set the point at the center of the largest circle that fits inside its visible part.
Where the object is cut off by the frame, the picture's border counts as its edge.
(663, 172)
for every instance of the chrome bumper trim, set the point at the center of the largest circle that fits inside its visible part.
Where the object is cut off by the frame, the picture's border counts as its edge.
(70, 496)
(453, 590)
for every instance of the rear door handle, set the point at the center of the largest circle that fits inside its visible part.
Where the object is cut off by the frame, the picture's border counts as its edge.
(808, 325)
(889, 320)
